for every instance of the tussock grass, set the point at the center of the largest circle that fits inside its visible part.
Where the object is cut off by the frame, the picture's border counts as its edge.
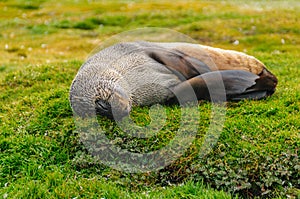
(43, 44)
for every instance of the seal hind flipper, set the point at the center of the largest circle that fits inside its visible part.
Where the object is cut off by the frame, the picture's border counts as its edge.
(264, 86)
(237, 85)
(182, 65)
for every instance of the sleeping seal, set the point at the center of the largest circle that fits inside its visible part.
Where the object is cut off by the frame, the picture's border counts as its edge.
(145, 73)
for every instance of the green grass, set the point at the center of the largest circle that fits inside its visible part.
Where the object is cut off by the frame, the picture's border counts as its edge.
(42, 46)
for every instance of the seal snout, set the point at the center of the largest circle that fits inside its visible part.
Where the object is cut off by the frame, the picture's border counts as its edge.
(103, 108)
(116, 108)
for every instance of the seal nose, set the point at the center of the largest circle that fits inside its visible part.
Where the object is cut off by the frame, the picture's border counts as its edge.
(111, 111)
(103, 108)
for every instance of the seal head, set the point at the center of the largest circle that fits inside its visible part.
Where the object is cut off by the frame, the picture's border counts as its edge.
(89, 98)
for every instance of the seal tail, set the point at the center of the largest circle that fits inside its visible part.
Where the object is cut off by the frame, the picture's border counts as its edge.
(230, 85)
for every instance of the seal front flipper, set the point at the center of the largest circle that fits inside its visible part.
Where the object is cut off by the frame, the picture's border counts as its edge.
(223, 85)
(182, 65)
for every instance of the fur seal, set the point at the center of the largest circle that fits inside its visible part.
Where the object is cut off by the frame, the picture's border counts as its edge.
(145, 73)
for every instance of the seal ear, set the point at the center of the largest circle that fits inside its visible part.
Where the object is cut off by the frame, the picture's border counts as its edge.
(238, 85)
(182, 65)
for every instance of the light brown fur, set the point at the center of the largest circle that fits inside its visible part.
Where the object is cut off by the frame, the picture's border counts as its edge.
(224, 59)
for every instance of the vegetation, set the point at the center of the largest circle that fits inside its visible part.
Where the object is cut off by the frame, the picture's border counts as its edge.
(43, 44)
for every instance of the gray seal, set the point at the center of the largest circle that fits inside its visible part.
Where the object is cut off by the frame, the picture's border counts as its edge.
(129, 74)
